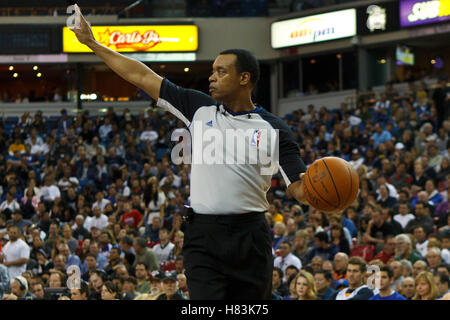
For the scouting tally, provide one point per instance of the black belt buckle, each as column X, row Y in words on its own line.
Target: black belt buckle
column 188, row 214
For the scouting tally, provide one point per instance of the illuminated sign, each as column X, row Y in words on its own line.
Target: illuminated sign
column 312, row 29
column 416, row 12
column 376, row 19
column 404, row 56
column 138, row 38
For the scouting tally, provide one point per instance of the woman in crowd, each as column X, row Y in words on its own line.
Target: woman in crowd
column 156, row 200
column 109, row 291
column 426, row 288
column 339, row 239
column 305, row 286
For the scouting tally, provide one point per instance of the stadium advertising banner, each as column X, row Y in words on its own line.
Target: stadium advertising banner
column 417, row 12
column 312, row 29
column 182, row 38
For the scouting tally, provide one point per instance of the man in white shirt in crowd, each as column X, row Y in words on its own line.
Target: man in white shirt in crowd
column 149, row 134
column 101, row 201
column 421, row 240
column 16, row 253
column 286, row 258
column 50, row 191
column 68, row 181
column 164, row 247
column 9, row 203
column 105, row 128
column 404, row 215
column 98, row 220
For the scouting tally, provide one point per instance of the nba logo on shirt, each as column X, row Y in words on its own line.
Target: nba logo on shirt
column 255, row 138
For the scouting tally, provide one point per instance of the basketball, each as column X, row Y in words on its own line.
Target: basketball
column 330, row 184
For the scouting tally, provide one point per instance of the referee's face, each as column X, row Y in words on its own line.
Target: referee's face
column 224, row 81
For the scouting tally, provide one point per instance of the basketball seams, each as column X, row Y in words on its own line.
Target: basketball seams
column 351, row 184
column 312, row 186
column 332, row 180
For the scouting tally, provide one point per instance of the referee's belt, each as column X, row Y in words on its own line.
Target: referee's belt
column 190, row 215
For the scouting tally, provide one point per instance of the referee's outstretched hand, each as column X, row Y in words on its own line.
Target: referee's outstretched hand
column 84, row 32
column 296, row 191
column 301, row 193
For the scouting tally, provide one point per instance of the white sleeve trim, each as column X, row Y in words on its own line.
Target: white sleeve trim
column 169, row 107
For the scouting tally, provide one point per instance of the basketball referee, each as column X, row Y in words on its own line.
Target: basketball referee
column 227, row 245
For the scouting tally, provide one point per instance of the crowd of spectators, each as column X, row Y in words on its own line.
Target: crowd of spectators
column 97, row 198
column 190, row 8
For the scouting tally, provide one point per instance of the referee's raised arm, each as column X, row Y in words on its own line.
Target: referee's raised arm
column 129, row 69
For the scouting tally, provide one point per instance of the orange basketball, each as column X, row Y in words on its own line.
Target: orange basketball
column 330, row 184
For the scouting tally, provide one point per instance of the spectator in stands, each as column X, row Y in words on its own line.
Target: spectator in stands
column 15, row 253
column 408, row 288
column 386, row 281
column 323, row 280
column 398, row 271
column 143, row 285
column 286, row 259
column 10, row 203
column 403, row 249
column 19, row 290
column 418, row 267
column 339, row 240
column 278, row 235
column 421, row 241
column 164, row 247
column 109, row 291
column 421, row 219
column 114, row 260
column 340, row 266
column 300, row 248
column 323, row 247
column 404, row 216
column 380, row 135
column 278, row 286
column 388, row 252
column 145, row 255
column 95, row 284
column 170, row 288
column 305, row 286
column 426, row 288
column 357, row 290
column 434, row 259
column 79, row 231
column 377, row 228
column 129, row 288
column 17, row 220
column 80, row 294
column 4, row 280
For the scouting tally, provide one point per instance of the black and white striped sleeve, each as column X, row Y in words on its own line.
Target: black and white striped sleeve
column 182, row 102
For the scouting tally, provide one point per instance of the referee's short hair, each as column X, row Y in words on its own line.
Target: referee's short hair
column 246, row 62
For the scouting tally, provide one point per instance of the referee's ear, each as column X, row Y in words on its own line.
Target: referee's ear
column 245, row 79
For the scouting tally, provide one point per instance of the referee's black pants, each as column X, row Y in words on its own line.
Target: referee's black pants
column 228, row 257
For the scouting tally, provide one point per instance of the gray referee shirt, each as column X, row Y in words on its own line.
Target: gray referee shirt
column 224, row 178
